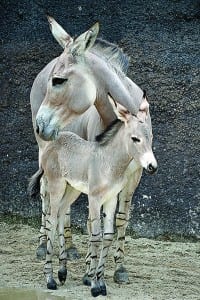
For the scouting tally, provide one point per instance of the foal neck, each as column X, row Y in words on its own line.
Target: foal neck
column 114, row 141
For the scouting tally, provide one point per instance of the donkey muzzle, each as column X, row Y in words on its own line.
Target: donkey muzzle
column 46, row 132
column 46, row 124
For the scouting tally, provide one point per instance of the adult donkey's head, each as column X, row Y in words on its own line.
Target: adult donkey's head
column 71, row 89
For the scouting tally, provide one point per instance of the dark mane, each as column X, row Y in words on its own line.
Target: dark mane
column 112, row 54
column 104, row 137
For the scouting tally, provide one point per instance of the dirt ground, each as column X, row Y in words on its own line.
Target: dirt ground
column 157, row 269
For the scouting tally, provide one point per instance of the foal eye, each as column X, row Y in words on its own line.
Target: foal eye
column 58, row 81
column 135, row 139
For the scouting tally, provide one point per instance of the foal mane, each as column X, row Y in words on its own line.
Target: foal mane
column 110, row 131
column 112, row 54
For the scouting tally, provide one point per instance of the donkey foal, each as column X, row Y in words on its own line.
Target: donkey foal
column 100, row 174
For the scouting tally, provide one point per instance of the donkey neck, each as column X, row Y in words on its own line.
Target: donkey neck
column 108, row 81
column 105, row 110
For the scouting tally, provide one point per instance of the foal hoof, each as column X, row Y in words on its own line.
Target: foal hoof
column 121, row 276
column 86, row 280
column 41, row 251
column 72, row 253
column 52, row 285
column 103, row 290
column 62, row 275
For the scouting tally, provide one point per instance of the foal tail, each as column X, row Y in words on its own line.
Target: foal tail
column 34, row 183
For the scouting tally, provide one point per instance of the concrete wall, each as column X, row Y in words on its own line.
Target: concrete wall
column 162, row 38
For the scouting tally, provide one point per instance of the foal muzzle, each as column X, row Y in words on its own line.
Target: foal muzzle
column 151, row 169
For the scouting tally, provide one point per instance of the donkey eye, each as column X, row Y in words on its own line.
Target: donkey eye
column 58, row 81
column 135, row 139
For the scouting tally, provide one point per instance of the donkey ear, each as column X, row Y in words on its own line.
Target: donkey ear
column 61, row 36
column 143, row 110
column 121, row 112
column 85, row 41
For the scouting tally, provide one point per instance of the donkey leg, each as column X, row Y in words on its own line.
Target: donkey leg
column 109, row 212
column 122, row 217
column 56, row 190
column 42, row 248
column 71, row 250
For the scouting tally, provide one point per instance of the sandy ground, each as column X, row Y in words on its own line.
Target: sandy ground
column 157, row 269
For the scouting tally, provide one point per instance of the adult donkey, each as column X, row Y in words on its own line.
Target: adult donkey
column 84, row 74
column 132, row 140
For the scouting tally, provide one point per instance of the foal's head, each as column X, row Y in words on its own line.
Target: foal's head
column 137, row 132
column 71, row 89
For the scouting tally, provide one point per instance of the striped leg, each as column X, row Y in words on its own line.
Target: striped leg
column 42, row 248
column 122, row 217
column 72, row 252
column 56, row 191
column 69, row 197
column 67, row 228
column 86, row 279
column 95, row 241
column 62, row 272
column 109, row 212
column 48, row 269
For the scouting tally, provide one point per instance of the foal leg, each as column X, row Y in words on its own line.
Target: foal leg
column 86, row 279
column 95, row 241
column 42, row 248
column 62, row 272
column 56, row 190
column 122, row 217
column 69, row 197
column 108, row 213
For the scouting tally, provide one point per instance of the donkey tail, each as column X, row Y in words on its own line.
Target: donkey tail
column 34, row 183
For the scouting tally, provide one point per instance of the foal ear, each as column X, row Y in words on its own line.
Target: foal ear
column 143, row 110
column 121, row 112
column 61, row 36
column 85, row 41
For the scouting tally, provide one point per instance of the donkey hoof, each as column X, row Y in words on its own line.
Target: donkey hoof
column 41, row 251
column 62, row 275
column 72, row 253
column 86, row 280
column 121, row 276
column 51, row 284
column 96, row 291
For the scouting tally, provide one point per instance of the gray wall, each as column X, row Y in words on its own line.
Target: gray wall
column 162, row 38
